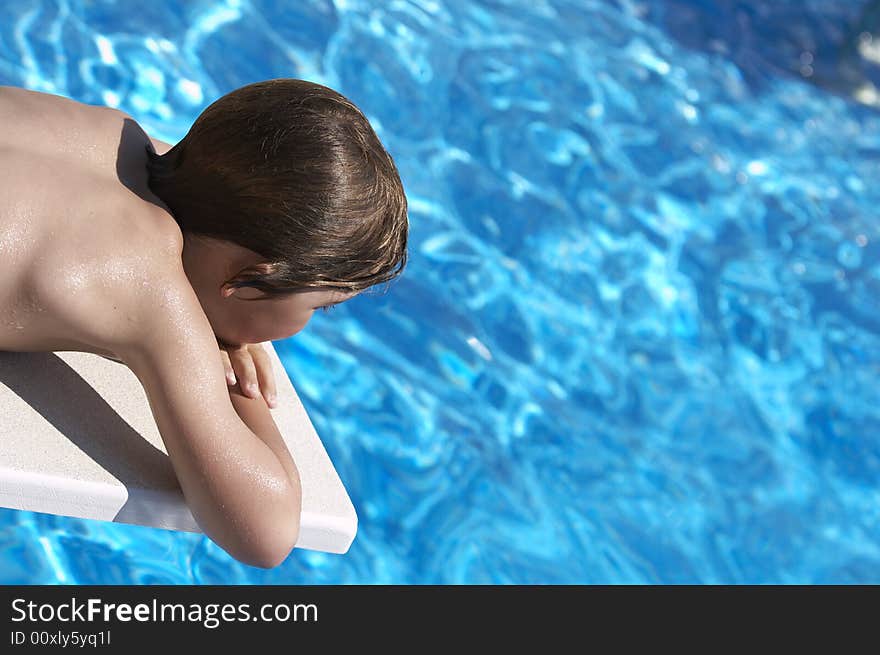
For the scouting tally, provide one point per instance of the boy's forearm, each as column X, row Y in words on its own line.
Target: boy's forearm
column 256, row 415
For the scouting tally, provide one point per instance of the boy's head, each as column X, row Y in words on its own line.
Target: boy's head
column 287, row 200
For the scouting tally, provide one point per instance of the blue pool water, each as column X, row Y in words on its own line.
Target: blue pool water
column 638, row 338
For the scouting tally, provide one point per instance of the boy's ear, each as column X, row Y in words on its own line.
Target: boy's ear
column 261, row 268
column 242, row 293
column 247, row 273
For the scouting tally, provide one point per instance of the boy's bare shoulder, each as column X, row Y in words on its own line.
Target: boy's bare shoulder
column 103, row 297
column 160, row 305
column 92, row 249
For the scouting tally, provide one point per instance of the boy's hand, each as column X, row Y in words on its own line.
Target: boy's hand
column 249, row 365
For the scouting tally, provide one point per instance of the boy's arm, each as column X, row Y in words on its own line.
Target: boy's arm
column 256, row 415
column 234, row 478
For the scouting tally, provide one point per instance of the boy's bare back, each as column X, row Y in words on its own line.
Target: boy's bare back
column 91, row 261
column 80, row 249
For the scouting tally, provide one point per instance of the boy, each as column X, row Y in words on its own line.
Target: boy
column 178, row 261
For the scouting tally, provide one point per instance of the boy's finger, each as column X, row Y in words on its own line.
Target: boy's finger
column 246, row 371
column 264, row 374
column 227, row 366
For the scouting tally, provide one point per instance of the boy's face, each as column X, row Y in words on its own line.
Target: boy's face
column 250, row 316
column 246, row 315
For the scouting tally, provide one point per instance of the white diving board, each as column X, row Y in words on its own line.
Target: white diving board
column 78, row 439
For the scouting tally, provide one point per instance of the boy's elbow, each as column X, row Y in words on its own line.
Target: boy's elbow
column 279, row 538
column 270, row 557
column 273, row 549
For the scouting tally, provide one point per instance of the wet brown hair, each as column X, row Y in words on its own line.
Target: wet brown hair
column 293, row 171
